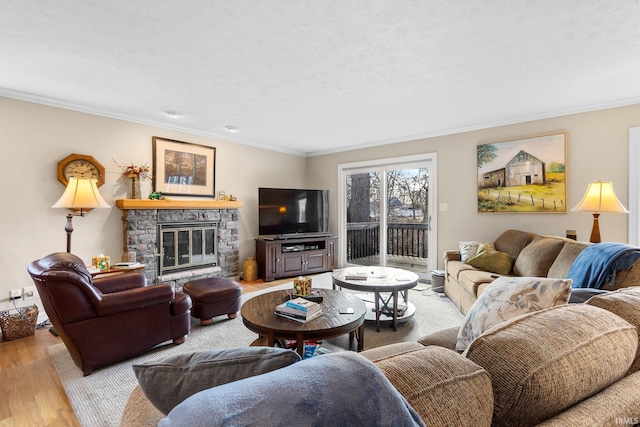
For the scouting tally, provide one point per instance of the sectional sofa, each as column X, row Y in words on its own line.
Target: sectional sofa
column 568, row 365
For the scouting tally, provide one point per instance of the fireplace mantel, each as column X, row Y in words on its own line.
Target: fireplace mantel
column 176, row 204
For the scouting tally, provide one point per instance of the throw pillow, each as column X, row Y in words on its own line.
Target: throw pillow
column 509, row 297
column 485, row 246
column 169, row 381
column 469, row 249
column 492, row 261
column 337, row 389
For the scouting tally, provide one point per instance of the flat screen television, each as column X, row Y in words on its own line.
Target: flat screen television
column 288, row 212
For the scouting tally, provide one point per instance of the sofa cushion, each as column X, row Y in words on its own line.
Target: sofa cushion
column 454, row 268
column 167, row 382
column 546, row 361
column 492, row 261
column 626, row 304
column 482, row 287
column 513, row 241
column 470, row 280
column 508, row 297
column 565, row 258
column 536, row 258
column 442, row 386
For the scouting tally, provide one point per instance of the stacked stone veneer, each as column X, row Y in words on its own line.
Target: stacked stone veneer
column 140, row 241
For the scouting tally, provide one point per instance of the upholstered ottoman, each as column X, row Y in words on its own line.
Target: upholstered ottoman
column 213, row 297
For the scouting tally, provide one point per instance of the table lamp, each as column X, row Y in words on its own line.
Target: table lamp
column 80, row 195
column 599, row 197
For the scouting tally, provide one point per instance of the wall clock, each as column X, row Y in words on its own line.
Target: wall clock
column 80, row 166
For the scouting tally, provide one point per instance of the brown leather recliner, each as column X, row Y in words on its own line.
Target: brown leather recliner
column 105, row 320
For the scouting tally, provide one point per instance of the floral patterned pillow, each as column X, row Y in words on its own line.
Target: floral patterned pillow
column 470, row 249
column 509, row 297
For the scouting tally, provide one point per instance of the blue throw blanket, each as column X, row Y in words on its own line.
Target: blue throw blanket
column 597, row 264
column 339, row 389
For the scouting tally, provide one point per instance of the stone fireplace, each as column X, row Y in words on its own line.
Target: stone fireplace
column 200, row 238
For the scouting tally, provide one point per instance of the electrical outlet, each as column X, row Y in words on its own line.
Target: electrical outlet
column 15, row 294
column 29, row 292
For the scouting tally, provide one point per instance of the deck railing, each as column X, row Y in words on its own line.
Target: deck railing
column 402, row 239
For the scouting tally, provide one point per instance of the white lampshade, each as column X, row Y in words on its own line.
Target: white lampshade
column 81, row 193
column 600, row 197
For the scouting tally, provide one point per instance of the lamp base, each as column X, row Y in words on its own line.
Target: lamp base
column 595, row 230
column 69, row 229
column 69, row 226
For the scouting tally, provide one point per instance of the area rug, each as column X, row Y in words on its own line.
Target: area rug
column 99, row 399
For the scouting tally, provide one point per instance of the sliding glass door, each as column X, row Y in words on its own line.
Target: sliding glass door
column 386, row 215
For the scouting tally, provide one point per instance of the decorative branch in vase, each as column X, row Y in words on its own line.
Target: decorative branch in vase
column 136, row 174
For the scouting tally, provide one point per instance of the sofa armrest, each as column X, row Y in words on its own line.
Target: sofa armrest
column 139, row 411
column 452, row 256
column 446, row 338
column 131, row 299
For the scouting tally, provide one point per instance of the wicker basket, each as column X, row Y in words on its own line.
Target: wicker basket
column 18, row 325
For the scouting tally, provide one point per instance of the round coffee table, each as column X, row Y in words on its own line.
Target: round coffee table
column 258, row 315
column 380, row 280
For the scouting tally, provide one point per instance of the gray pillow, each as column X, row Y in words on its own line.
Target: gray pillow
column 337, row 389
column 167, row 382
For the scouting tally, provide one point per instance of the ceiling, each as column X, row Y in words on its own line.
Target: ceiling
column 311, row 77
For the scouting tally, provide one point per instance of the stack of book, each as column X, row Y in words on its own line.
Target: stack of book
column 299, row 309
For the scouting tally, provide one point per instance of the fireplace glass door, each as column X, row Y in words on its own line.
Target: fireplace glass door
column 187, row 246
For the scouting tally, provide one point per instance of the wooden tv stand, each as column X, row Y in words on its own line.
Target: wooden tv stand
column 289, row 257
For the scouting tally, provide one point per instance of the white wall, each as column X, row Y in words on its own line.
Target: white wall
column 35, row 137
column 597, row 150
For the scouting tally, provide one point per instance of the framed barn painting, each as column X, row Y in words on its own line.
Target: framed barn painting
column 523, row 175
column 183, row 169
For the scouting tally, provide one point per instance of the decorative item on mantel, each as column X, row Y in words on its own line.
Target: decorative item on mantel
column 135, row 173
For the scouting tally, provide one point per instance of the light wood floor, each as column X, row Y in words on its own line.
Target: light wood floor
column 30, row 391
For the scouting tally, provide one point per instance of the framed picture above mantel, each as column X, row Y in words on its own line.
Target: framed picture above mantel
column 526, row 175
column 183, row 169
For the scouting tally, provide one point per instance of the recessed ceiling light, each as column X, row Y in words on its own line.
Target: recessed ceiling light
column 172, row 113
column 231, row 128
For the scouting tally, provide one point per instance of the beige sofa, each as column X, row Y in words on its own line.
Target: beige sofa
column 570, row 365
column 533, row 255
